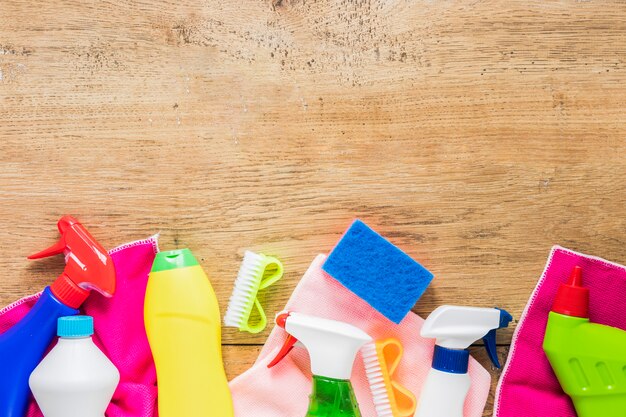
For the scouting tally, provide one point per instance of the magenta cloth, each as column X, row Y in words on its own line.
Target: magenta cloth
column 283, row 391
column 119, row 330
column 528, row 386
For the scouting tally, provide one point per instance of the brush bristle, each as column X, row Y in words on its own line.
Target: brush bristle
column 374, row 372
column 246, row 287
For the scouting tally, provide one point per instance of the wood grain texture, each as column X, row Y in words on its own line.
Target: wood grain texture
column 475, row 135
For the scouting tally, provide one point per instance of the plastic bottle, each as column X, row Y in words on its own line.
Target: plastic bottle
column 332, row 346
column 455, row 329
column 88, row 266
column 183, row 324
column 589, row 359
column 75, row 379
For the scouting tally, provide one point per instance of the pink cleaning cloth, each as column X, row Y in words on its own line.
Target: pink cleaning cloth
column 283, row 391
column 119, row 330
column 528, row 386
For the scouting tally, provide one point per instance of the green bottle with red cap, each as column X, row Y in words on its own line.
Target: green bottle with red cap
column 589, row 359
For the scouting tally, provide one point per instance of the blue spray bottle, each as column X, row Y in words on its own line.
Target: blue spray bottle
column 88, row 267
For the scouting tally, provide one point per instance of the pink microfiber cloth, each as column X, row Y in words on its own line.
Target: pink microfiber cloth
column 283, row 391
column 528, row 386
column 119, row 330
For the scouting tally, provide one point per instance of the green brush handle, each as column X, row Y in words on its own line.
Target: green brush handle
column 332, row 398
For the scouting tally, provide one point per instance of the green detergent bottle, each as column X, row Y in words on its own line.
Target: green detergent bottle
column 332, row 346
column 588, row 359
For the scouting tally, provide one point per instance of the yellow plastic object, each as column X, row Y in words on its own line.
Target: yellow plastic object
column 257, row 272
column 381, row 361
column 182, row 321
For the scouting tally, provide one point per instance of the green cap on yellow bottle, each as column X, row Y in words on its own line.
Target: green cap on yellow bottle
column 173, row 259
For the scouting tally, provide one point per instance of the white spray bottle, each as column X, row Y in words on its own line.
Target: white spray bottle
column 455, row 329
column 332, row 346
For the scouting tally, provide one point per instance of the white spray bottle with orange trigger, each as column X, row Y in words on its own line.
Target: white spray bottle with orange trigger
column 332, row 346
column 455, row 329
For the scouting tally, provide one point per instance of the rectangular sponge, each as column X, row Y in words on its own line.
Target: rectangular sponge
column 377, row 271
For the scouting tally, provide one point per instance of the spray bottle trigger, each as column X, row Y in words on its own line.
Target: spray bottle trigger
column 490, row 345
column 88, row 266
column 490, row 338
column 60, row 247
column 55, row 249
column 284, row 351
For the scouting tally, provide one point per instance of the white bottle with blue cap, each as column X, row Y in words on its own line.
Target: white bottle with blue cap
column 455, row 328
column 75, row 379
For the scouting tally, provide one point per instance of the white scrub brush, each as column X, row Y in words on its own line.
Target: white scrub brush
column 251, row 278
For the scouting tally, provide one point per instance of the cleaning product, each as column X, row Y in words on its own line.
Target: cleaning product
column 183, row 324
column 88, row 267
column 119, row 331
column 332, row 346
column 381, row 359
column 366, row 263
column 250, row 280
column 260, row 391
column 527, row 384
column 589, row 359
column 75, row 379
column 455, row 328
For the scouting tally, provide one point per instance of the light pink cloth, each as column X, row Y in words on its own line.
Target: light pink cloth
column 528, row 386
column 283, row 391
column 119, row 330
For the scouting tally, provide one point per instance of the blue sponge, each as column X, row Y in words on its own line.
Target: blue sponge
column 377, row 271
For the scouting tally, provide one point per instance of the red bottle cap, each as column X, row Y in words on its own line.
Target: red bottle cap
column 88, row 264
column 572, row 299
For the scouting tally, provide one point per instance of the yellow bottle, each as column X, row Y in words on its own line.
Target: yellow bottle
column 183, row 324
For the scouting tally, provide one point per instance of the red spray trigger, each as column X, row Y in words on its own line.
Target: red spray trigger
column 284, row 351
column 281, row 321
column 88, row 264
column 63, row 224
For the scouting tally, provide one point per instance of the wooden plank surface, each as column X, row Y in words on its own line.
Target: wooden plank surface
column 475, row 135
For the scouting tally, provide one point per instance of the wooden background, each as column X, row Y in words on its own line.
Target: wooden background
column 475, row 135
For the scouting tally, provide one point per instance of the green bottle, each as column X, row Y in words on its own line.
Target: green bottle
column 332, row 346
column 332, row 397
column 588, row 359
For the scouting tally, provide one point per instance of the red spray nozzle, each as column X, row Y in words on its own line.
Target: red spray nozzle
column 572, row 299
column 576, row 277
column 88, row 264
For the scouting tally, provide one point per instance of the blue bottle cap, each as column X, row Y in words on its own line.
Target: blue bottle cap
column 75, row 326
column 452, row 361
